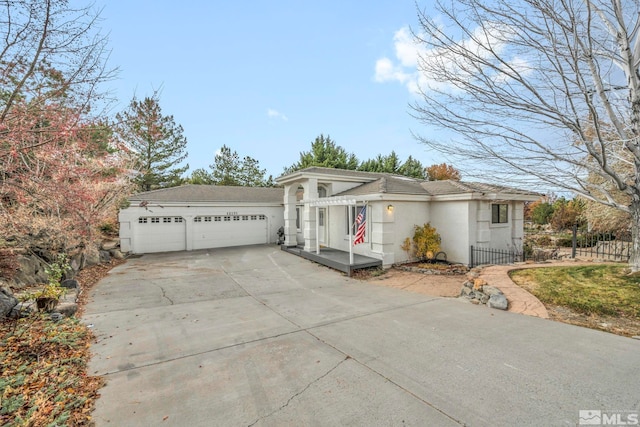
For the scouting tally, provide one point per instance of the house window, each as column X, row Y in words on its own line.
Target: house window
column 177, row 219
column 155, row 220
column 207, row 219
column 197, row 219
column 236, row 217
column 166, row 219
column 254, row 217
column 217, row 218
column 263, row 217
column 245, row 217
column 298, row 218
column 499, row 213
column 142, row 220
column 227, row 218
column 355, row 210
column 322, row 192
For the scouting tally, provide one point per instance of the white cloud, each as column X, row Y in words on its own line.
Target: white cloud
column 275, row 114
column 411, row 57
column 407, row 51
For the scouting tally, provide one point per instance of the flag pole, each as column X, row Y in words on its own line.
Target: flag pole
column 350, row 235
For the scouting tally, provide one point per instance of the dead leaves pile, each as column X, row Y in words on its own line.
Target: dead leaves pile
column 43, row 374
column 43, row 379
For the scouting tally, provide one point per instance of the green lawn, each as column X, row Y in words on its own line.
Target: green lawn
column 594, row 289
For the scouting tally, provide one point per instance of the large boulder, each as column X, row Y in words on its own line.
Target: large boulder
column 491, row 290
column 7, row 302
column 91, row 256
column 31, row 271
column 498, row 301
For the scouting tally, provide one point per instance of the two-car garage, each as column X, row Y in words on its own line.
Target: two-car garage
column 196, row 217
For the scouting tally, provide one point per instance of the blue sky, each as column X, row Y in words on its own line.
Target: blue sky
column 267, row 77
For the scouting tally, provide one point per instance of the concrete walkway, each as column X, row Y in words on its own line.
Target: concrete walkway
column 255, row 336
column 521, row 301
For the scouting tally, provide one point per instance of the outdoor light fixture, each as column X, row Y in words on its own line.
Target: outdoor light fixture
column 390, row 208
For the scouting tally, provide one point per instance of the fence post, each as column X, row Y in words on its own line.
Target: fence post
column 574, row 240
column 471, row 257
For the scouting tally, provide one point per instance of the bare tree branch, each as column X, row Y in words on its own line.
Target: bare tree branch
column 540, row 92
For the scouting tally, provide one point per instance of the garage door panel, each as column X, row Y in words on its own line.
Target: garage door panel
column 224, row 231
column 160, row 234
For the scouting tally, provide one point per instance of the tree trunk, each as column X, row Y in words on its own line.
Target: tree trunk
column 634, row 259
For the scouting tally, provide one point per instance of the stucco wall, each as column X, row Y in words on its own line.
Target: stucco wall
column 509, row 235
column 455, row 222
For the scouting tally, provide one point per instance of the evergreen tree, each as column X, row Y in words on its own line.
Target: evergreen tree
column 325, row 153
column 156, row 141
column 384, row 164
column 413, row 168
column 200, row 177
column 229, row 169
column 226, row 166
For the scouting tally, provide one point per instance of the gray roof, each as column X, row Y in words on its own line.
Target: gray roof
column 392, row 184
column 378, row 182
column 388, row 184
column 437, row 188
column 337, row 172
column 212, row 193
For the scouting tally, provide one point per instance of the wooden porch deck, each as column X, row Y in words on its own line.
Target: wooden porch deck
column 335, row 259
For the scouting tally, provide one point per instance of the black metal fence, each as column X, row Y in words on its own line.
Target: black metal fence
column 609, row 246
column 483, row 256
column 544, row 246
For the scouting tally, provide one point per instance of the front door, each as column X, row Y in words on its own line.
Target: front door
column 322, row 230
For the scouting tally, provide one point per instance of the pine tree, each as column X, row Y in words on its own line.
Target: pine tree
column 229, row 169
column 325, row 153
column 156, row 141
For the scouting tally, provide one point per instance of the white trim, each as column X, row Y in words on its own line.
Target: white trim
column 331, row 201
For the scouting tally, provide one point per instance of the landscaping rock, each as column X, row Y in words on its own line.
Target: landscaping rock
column 23, row 309
column 105, row 256
column 70, row 284
column 7, row 302
column 491, row 290
column 67, row 309
column 116, row 254
column 465, row 291
column 478, row 291
column 109, row 245
column 498, row 301
column 31, row 270
column 76, row 262
column 478, row 284
column 90, row 256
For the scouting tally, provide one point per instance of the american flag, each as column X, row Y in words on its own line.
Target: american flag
column 361, row 222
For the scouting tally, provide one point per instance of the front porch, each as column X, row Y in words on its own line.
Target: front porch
column 335, row 259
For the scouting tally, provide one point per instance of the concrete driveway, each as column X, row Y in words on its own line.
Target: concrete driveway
column 256, row 336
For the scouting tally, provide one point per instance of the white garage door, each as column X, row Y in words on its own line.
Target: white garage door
column 217, row 231
column 160, row 234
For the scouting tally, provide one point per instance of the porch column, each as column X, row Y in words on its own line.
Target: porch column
column 290, row 238
column 317, row 230
column 309, row 215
